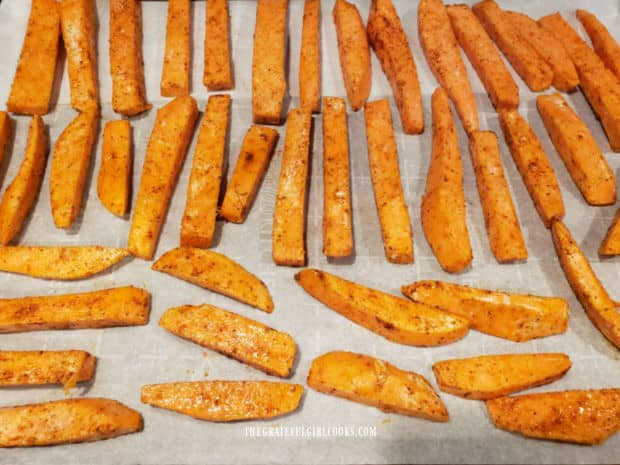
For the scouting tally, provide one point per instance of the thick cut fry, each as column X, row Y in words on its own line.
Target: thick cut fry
column 63, row 263
column 6, row 132
column 377, row 383
column 243, row 339
column 33, row 81
column 114, row 180
column 217, row 73
column 79, row 34
column 289, row 214
column 165, row 154
column 578, row 150
column 599, row 307
column 353, row 52
column 516, row 317
column 500, row 217
column 268, row 68
column 394, row 318
column 386, row 183
column 443, row 56
column 217, row 273
column 533, row 165
column 310, row 57
column 223, row 401
column 443, row 204
column 121, row 306
column 484, row 57
column 337, row 223
column 177, row 55
column 252, row 162
column 66, row 421
column 491, row 376
column 70, row 164
column 582, row 417
column 603, row 42
column 19, row 197
column 205, row 180
column 390, row 43
column 611, row 243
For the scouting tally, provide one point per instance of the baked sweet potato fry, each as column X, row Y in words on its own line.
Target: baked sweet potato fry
column 377, row 383
column 217, row 273
column 114, row 180
column 516, row 317
column 611, row 243
column 390, row 43
column 246, row 340
column 7, row 126
column 583, row 417
column 603, row 42
column 177, row 54
column 310, row 57
column 223, row 401
column 217, row 74
column 394, row 318
column 66, row 421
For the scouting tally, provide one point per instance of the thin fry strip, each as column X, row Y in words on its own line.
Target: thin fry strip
column 217, row 73
column 310, row 57
column 114, row 180
column 177, row 54
column 603, row 42
column 6, row 131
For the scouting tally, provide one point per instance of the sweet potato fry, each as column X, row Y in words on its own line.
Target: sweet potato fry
column 254, row 157
column 310, row 57
column 377, row 383
column 114, row 180
column 66, row 421
column 386, row 183
column 217, row 74
column 19, row 197
column 390, row 43
column 443, row 56
column 121, row 306
column 516, row 317
column 217, row 273
column 582, row 417
column 33, row 81
column 603, row 42
column 177, row 54
column 224, row 401
column 246, row 340
column 396, row 319
column 611, row 243
column 6, row 131
column 491, row 376
column 165, row 154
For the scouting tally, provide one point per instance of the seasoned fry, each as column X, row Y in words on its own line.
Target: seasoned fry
column 254, row 157
column 203, row 191
column 7, row 126
column 165, row 154
column 443, row 204
column 289, row 214
column 500, row 217
column 310, row 57
column 390, row 43
column 177, row 55
column 121, row 306
column 114, row 180
column 230, row 334
column 603, row 42
column 533, row 165
column 268, row 69
column 33, row 81
column 70, row 163
column 217, row 273
column 224, row 401
column 611, row 243
column 66, row 421
column 386, row 183
column 19, row 197
column 394, row 318
column 217, row 74
column 582, row 417
column 377, row 383
column 516, row 317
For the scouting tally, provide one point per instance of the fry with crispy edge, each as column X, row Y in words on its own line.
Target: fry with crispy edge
column 223, row 401
column 66, row 421
column 310, row 57
column 252, row 162
column 394, row 318
column 603, row 42
column 6, row 131
column 177, row 55
column 114, row 180
column 217, row 273
column 386, row 183
column 582, row 417
column 377, row 383
column 120, row 306
column 517, row 317
column 217, row 73
column 19, row 197
column 33, row 81
column 611, row 243
column 245, row 340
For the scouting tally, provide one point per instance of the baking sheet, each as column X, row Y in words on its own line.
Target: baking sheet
column 131, row 357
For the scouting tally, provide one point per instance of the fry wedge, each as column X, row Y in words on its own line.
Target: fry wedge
column 177, row 55
column 393, row 318
column 246, row 340
column 114, row 180
column 603, row 42
column 66, row 421
column 310, row 57
column 516, row 317
column 377, row 383
column 6, row 131
column 223, row 401
column 611, row 243
column 217, row 74
column 217, row 273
